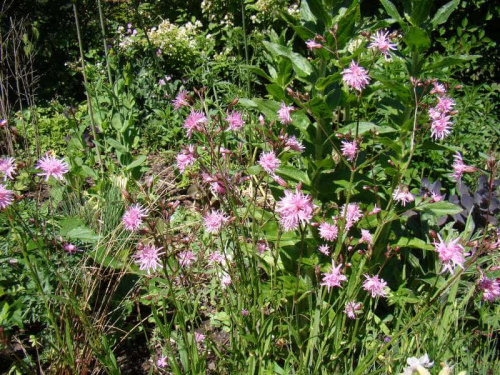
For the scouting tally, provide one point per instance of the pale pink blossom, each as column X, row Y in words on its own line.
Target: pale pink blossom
column 382, row 43
column 441, row 127
column 132, row 218
column 148, row 258
column 245, row 312
column 294, row 144
column 295, row 208
column 438, row 88
column 451, row 254
column 216, row 257
column 196, row 121
column 214, row 221
column 52, row 166
column 445, row 104
column 490, row 288
column 375, row 210
column 355, row 76
column 352, row 309
column 181, row 100
column 70, row 248
column 6, row 196
column 349, row 150
column 334, row 277
column 459, row 167
column 366, row 236
column 351, row 214
column 402, row 195
column 199, row 337
column 436, row 197
column 7, row 167
column 185, row 158
column 328, row 231
column 324, row 249
column 186, row 258
column 375, row 285
column 262, row 246
column 279, row 180
column 284, row 114
column 235, row 120
column 162, row 362
column 269, row 162
column 311, row 44
column 226, row 281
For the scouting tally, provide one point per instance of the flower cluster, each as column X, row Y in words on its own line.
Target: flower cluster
column 375, row 285
column 185, row 158
column 356, row 77
column 295, row 208
column 441, row 113
column 459, row 167
column 132, row 219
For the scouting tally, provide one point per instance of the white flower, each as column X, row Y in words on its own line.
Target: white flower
column 418, row 365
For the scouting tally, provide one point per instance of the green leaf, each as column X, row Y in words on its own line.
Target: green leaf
column 89, row 172
column 83, row 234
column 391, row 9
column 316, row 8
column 444, row 13
column 300, row 64
column 415, row 243
column 294, row 174
column 365, row 127
column 417, row 38
column 117, row 145
column 136, row 163
column 439, row 208
column 258, row 71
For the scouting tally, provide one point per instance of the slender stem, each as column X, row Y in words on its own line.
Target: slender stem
column 106, row 52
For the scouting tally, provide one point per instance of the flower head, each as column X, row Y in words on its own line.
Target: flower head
column 333, row 278
column 450, row 253
column 445, row 104
column 181, row 100
column 284, row 114
column 459, row 167
column 269, row 162
column 226, row 281
column 349, row 150
column 295, row 208
column 70, row 248
column 490, row 288
column 416, row 364
column 328, row 231
column 352, row 309
column 324, row 249
column 366, row 236
column 6, row 196
column 375, row 285
column 162, row 362
column 351, row 213
column 185, row 158
column 52, row 167
column 438, row 88
column 382, row 43
column 214, row 221
column 402, row 195
column 132, row 218
column 186, row 258
column 294, row 144
column 235, row 120
column 195, row 122
column 7, row 167
column 199, row 337
column 441, row 127
column 148, row 258
column 311, row 44
column 356, row 77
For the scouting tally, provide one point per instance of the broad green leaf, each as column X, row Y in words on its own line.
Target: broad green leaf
column 417, row 38
column 300, row 64
column 258, row 71
column 294, row 174
column 391, row 9
column 444, row 13
column 83, row 234
column 439, row 208
column 117, row 145
column 136, row 163
column 416, row 243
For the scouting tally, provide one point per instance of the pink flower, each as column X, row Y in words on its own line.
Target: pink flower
column 311, row 44
column 441, row 127
column 269, row 162
column 132, row 218
column 185, row 158
column 436, row 197
column 52, row 167
column 195, row 122
column 162, row 362
column 6, row 196
column 333, row 278
column 149, row 258
column 284, row 114
column 235, row 120
column 366, row 236
column 445, row 104
column 245, row 312
column 262, row 246
column 402, row 195
column 491, row 289
column 375, row 210
column 186, row 258
column 351, row 214
column 328, row 231
column 216, row 257
column 162, row 82
column 70, row 248
column 438, row 89
column 7, row 167
column 226, row 281
column 294, row 144
column 324, row 249
column 214, row 221
column 199, row 337
column 355, row 76
column 451, row 254
column 294, row 208
column 382, row 43
column 459, row 168
column 349, row 150
column 352, row 309
column 181, row 100
column 375, row 286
